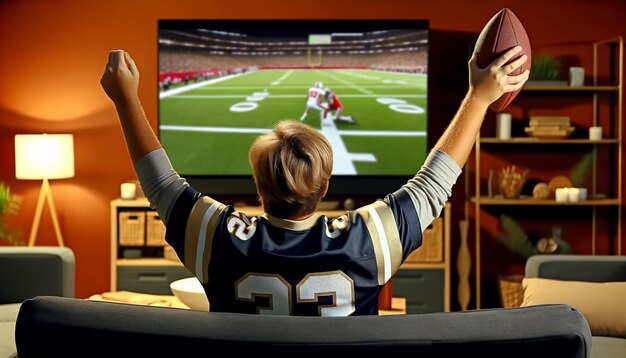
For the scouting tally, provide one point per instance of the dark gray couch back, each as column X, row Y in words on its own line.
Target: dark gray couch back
column 55, row 326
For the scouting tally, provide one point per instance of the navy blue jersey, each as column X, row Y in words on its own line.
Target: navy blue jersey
column 316, row 266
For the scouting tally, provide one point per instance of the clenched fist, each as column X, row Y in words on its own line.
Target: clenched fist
column 120, row 79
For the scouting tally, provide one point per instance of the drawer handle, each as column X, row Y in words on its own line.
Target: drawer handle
column 152, row 277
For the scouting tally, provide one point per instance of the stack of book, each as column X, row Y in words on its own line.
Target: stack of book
column 549, row 127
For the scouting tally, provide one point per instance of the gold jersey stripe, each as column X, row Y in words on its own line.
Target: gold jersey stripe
column 199, row 235
column 382, row 228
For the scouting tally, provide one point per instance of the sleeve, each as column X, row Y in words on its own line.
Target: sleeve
column 194, row 221
column 431, row 187
column 191, row 219
column 161, row 184
column 395, row 224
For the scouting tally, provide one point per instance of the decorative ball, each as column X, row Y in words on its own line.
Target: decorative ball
column 541, row 191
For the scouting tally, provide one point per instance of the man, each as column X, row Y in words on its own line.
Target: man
column 333, row 104
column 291, row 260
column 314, row 100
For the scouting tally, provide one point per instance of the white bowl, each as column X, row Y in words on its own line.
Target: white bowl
column 190, row 292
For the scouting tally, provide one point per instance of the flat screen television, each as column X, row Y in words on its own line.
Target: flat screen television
column 222, row 83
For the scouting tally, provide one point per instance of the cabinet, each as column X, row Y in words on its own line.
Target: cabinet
column 605, row 94
column 141, row 261
column 144, row 263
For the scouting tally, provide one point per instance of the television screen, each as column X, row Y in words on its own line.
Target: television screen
column 362, row 84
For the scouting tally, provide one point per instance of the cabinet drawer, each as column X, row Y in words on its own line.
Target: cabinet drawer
column 149, row 279
column 423, row 289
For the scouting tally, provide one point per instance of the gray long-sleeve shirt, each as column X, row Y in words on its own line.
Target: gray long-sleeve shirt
column 429, row 189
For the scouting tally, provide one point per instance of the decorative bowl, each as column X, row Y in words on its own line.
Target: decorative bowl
column 190, row 292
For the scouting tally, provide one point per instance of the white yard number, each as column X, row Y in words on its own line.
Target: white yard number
column 400, row 105
column 251, row 102
column 334, row 283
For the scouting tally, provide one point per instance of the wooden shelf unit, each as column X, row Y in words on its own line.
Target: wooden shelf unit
column 614, row 142
column 155, row 265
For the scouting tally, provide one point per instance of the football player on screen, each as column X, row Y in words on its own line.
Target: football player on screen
column 314, row 100
column 291, row 260
column 333, row 104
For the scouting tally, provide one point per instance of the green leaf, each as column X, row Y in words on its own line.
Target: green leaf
column 515, row 238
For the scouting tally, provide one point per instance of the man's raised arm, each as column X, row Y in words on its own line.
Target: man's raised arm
column 158, row 179
column 486, row 86
column 432, row 186
column 120, row 81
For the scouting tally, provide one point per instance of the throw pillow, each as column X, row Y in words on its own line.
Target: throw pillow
column 602, row 303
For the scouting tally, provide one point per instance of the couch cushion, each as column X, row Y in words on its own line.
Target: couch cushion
column 8, row 315
column 608, row 347
column 602, row 304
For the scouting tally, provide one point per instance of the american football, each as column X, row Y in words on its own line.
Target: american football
column 503, row 32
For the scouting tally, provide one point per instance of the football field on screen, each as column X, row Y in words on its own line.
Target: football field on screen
column 207, row 128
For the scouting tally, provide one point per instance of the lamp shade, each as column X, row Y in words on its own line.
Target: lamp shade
column 44, row 156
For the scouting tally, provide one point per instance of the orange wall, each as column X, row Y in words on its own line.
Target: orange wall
column 53, row 53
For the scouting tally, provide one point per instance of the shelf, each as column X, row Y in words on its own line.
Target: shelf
column 423, row 265
column 599, row 102
column 152, row 261
column 131, row 203
column 570, row 89
column 531, row 201
column 530, row 140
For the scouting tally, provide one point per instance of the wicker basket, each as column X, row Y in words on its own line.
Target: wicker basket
column 432, row 244
column 511, row 291
column 155, row 229
column 132, row 225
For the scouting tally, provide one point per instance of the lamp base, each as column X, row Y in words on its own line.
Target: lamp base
column 45, row 195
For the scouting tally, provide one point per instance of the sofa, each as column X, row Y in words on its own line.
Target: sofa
column 27, row 272
column 595, row 285
column 66, row 327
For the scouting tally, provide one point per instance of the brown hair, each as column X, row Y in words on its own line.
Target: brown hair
column 291, row 167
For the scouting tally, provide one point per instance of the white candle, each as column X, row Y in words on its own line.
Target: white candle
column 127, row 191
column 503, row 126
column 561, row 195
column 595, row 133
column 582, row 194
column 576, row 76
column 573, row 194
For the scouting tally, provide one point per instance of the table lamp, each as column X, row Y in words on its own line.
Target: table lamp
column 43, row 157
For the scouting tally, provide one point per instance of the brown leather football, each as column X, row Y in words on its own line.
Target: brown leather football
column 503, row 32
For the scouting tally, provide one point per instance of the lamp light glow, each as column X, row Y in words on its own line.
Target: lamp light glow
column 44, row 156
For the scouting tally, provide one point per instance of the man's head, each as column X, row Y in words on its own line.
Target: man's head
column 318, row 84
column 291, row 167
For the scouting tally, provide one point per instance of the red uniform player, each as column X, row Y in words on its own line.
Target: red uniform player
column 333, row 104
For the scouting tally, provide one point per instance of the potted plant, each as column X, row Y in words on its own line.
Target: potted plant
column 9, row 205
column 545, row 71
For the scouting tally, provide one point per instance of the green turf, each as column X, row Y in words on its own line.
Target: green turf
column 360, row 91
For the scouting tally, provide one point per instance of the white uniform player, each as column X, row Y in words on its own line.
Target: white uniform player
column 314, row 100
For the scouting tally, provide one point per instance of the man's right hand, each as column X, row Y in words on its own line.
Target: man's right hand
column 120, row 79
column 490, row 83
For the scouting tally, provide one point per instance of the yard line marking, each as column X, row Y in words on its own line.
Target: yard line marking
column 178, row 90
column 217, row 88
column 382, row 133
column 342, row 163
column 363, row 157
column 284, row 77
column 353, row 86
column 170, row 127
column 279, row 96
column 402, row 73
